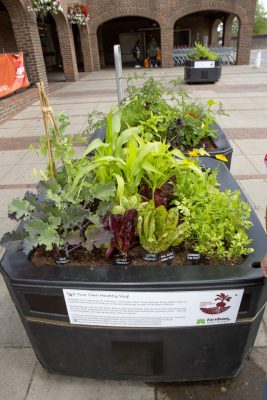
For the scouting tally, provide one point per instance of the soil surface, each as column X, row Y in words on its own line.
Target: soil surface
column 96, row 258
column 206, row 144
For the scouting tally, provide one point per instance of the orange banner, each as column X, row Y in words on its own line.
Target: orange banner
column 13, row 75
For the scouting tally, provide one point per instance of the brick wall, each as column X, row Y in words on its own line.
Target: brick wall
column 11, row 105
column 167, row 13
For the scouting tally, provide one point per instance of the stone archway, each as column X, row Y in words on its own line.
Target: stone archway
column 147, row 12
column 229, row 8
column 126, row 31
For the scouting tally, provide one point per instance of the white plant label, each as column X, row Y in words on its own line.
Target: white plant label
column 204, row 64
column 152, row 309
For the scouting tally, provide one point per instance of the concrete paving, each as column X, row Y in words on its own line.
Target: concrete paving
column 242, row 90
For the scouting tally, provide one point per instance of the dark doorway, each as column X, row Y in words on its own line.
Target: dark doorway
column 7, row 38
column 51, row 49
column 78, row 47
column 125, row 31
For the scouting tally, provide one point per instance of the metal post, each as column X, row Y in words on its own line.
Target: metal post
column 118, row 68
column 258, row 59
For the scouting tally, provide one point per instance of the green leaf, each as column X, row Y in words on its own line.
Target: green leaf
column 73, row 238
column 21, row 208
column 95, row 144
column 13, row 241
column 104, row 191
column 97, row 236
column 116, row 122
column 120, row 186
column 211, row 102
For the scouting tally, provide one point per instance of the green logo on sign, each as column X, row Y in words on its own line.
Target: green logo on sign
column 201, row 321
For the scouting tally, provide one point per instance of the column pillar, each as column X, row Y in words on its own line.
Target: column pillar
column 244, row 43
column 86, row 48
column 167, row 37
column 101, row 48
column 227, row 30
column 95, row 52
column 28, row 40
column 67, row 48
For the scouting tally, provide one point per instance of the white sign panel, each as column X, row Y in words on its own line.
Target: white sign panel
column 204, row 64
column 152, row 309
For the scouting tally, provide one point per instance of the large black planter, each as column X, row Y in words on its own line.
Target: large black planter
column 145, row 353
column 221, row 143
column 201, row 72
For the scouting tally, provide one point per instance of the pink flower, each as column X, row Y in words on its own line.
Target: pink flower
column 265, row 160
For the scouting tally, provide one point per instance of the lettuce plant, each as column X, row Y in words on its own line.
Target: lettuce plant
column 123, row 229
column 159, row 229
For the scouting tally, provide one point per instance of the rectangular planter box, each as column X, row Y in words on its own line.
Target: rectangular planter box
column 201, row 72
column 143, row 353
column 221, row 143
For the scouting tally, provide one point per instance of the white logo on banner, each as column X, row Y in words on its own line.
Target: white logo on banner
column 20, row 73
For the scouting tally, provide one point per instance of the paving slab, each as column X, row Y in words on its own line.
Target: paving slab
column 261, row 213
column 23, row 175
column 257, row 162
column 265, row 317
column 50, row 387
column 252, row 146
column 261, row 339
column 248, row 385
column 11, row 157
column 12, row 332
column 16, row 366
column 241, row 165
column 257, row 191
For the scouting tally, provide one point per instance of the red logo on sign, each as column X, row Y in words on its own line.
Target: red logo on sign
column 216, row 308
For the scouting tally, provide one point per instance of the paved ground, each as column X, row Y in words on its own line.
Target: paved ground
column 253, row 55
column 243, row 91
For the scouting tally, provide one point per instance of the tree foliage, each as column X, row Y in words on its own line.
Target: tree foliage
column 260, row 19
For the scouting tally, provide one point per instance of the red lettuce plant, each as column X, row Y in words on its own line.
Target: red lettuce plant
column 123, row 228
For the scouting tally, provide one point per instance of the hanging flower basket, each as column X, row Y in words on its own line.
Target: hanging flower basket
column 78, row 14
column 43, row 7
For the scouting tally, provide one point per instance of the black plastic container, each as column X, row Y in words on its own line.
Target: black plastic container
column 194, row 73
column 149, row 354
column 221, row 143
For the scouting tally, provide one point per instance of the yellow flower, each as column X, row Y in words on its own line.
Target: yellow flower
column 221, row 157
column 34, row 172
column 193, row 153
column 202, row 125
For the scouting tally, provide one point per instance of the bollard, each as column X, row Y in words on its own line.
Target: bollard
column 118, row 68
column 258, row 59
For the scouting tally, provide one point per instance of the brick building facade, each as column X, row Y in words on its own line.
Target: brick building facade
column 172, row 22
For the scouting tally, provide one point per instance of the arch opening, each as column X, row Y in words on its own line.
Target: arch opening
column 78, row 47
column 51, row 48
column 126, row 31
column 8, row 42
column 212, row 28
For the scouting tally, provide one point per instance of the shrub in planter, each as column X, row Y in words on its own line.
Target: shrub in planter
column 201, row 52
column 134, row 200
column 202, row 65
column 169, row 114
column 132, row 190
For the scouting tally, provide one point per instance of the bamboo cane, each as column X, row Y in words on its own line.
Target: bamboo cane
column 48, row 117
